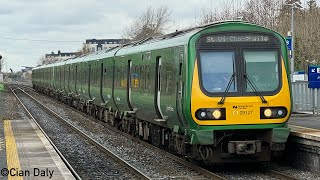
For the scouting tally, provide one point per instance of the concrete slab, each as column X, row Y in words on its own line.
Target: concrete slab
column 29, row 154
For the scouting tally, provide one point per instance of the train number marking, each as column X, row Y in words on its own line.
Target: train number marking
column 241, row 113
column 246, row 113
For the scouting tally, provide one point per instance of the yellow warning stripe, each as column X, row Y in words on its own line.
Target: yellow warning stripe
column 11, row 150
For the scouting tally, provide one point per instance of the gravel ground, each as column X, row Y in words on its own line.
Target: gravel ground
column 88, row 162
column 10, row 107
column 300, row 174
column 145, row 159
column 119, row 145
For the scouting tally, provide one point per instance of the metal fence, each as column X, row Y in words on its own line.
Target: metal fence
column 304, row 98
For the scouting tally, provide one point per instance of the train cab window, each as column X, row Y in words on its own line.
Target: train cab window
column 217, row 68
column 262, row 68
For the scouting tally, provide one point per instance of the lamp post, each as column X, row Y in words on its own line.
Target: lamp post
column 292, row 37
column 293, row 4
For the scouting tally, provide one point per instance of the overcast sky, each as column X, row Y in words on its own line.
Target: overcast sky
column 76, row 20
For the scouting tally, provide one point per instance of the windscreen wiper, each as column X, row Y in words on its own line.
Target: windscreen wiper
column 255, row 89
column 221, row 102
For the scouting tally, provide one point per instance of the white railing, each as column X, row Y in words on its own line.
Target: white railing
column 304, row 98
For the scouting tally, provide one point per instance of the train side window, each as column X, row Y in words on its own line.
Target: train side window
column 148, row 56
column 104, row 77
column 169, row 84
column 69, row 73
column 76, row 74
column 123, row 77
column 148, row 85
column 142, row 78
column 118, row 84
column 84, row 75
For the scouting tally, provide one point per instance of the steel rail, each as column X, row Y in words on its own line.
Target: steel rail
column 281, row 175
column 117, row 158
column 65, row 161
column 196, row 168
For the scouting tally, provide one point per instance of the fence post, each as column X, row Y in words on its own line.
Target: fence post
column 313, row 100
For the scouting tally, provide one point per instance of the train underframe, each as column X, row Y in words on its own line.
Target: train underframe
column 229, row 146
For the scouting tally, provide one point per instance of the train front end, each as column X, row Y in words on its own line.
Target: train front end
column 240, row 93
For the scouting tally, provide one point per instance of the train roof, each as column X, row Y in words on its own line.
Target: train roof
column 178, row 38
column 101, row 54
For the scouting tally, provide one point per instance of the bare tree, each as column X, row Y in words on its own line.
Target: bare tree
column 43, row 60
column 226, row 10
column 152, row 22
column 263, row 12
column 276, row 14
column 306, row 32
column 84, row 50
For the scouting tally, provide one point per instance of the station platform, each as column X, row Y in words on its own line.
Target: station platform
column 305, row 120
column 27, row 154
column 303, row 144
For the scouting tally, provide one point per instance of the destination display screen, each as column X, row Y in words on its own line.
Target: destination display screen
column 236, row 38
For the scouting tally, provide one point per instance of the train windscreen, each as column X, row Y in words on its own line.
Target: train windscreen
column 217, row 69
column 262, row 68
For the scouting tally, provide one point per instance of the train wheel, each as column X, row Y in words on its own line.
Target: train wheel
column 101, row 114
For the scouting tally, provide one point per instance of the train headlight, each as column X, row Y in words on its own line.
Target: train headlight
column 211, row 114
column 216, row 114
column 203, row 114
column 273, row 112
column 267, row 112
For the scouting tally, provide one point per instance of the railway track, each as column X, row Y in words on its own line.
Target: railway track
column 137, row 174
column 200, row 172
column 204, row 172
column 280, row 175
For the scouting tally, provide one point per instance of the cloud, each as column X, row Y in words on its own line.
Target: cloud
column 76, row 20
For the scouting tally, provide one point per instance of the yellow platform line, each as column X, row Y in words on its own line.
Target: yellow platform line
column 11, row 151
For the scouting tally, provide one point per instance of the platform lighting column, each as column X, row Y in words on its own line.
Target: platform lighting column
column 292, row 40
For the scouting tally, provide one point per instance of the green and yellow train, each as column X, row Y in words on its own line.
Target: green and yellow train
column 217, row 93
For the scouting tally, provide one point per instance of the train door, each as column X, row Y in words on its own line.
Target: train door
column 60, row 78
column 101, row 76
column 157, row 92
column 69, row 78
column 53, row 78
column 129, row 70
column 179, row 89
column 75, row 79
column 89, row 80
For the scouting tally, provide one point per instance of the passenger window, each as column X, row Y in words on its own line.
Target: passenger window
column 148, row 78
column 169, row 84
column 142, row 78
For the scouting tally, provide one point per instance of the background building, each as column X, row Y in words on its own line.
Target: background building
column 99, row 44
column 61, row 55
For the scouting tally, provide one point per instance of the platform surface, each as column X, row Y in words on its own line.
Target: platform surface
column 27, row 154
column 305, row 120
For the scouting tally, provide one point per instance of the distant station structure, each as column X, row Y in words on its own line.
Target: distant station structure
column 99, row 44
column 61, row 55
